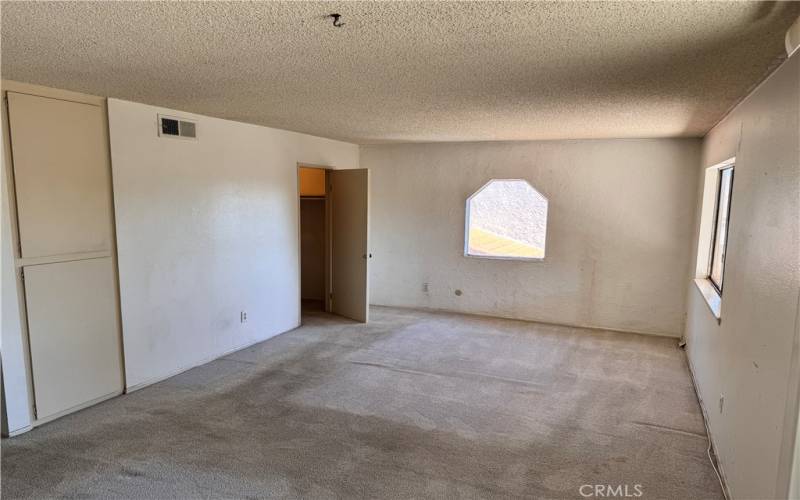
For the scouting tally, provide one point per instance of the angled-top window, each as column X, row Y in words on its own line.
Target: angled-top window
column 719, row 240
column 506, row 219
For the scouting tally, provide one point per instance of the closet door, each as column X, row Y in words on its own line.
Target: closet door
column 73, row 334
column 349, row 199
column 62, row 180
column 62, row 176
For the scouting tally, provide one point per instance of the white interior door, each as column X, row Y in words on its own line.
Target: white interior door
column 72, row 325
column 62, row 180
column 349, row 200
column 62, row 176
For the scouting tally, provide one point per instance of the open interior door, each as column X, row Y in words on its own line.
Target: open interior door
column 349, row 201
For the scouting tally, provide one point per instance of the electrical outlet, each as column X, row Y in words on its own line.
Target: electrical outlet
column 721, row 402
column 425, row 287
column 243, row 316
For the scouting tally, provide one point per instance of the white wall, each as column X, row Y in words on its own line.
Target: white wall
column 16, row 397
column 747, row 357
column 619, row 230
column 206, row 229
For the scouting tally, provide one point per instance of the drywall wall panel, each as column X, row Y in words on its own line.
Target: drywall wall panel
column 618, row 232
column 206, row 229
column 747, row 356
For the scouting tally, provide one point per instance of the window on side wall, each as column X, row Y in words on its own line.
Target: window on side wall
column 719, row 240
column 506, row 219
column 712, row 244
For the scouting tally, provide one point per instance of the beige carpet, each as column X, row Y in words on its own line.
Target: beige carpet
column 424, row 405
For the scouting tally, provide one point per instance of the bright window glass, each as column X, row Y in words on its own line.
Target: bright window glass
column 506, row 218
column 720, row 240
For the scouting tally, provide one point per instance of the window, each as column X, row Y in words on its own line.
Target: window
column 719, row 240
column 712, row 241
column 506, row 219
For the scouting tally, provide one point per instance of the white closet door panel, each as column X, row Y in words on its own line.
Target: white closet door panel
column 74, row 339
column 350, row 241
column 62, row 175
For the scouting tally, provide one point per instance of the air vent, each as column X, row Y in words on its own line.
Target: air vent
column 187, row 129
column 174, row 127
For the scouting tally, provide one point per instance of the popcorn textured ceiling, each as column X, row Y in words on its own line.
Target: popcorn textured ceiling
column 411, row 71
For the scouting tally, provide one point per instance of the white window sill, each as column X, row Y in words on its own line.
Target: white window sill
column 711, row 296
column 500, row 257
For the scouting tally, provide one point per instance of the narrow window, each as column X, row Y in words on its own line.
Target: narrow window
column 719, row 241
column 506, row 219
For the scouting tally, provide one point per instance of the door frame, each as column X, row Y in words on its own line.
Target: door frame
column 19, row 262
column 327, row 300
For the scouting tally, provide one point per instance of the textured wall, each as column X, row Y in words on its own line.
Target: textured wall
column 618, row 235
column 747, row 356
column 206, row 229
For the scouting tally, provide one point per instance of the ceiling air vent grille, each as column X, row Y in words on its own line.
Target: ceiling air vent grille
column 175, row 127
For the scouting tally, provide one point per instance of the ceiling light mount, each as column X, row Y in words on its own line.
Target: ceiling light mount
column 336, row 21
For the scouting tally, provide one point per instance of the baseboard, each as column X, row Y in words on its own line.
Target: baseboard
column 161, row 378
column 530, row 320
column 706, row 420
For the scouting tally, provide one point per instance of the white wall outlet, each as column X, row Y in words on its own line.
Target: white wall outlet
column 243, row 316
column 426, row 287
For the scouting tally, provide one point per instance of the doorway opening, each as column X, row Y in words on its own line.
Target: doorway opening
column 314, row 239
column 334, row 241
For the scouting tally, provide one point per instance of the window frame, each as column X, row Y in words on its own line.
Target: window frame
column 501, row 257
column 714, row 233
